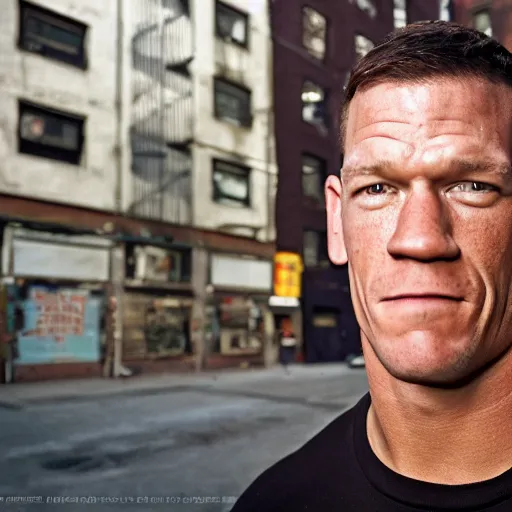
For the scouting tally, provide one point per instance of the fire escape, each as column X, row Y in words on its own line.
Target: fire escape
column 162, row 115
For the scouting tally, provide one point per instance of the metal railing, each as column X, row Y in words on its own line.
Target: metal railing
column 162, row 111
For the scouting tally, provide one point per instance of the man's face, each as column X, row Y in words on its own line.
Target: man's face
column 425, row 202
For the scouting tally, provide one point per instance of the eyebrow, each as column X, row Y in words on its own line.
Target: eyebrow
column 460, row 165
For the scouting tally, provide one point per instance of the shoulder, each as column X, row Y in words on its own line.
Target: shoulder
column 305, row 474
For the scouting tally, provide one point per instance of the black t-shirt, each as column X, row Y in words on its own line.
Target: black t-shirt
column 337, row 470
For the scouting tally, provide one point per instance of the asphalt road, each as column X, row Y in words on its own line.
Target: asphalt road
column 169, row 449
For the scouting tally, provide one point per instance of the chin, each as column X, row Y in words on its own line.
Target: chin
column 444, row 378
column 422, row 358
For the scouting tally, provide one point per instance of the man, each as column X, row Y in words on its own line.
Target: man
column 423, row 215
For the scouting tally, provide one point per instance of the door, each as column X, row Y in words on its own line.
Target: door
column 325, row 343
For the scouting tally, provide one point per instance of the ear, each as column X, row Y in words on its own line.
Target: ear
column 335, row 240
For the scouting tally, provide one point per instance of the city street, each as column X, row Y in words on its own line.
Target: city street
column 202, row 437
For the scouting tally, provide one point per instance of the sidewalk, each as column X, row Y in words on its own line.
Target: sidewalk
column 15, row 396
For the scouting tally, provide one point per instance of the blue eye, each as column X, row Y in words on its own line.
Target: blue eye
column 376, row 189
column 474, row 186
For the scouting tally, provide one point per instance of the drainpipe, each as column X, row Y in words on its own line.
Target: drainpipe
column 268, row 158
column 117, row 272
column 270, row 124
column 269, row 334
column 119, row 109
column 162, row 107
column 8, row 279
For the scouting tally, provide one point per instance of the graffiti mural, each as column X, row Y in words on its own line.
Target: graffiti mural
column 61, row 325
column 165, row 330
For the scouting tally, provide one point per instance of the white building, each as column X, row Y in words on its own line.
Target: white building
column 186, row 84
column 203, row 149
column 62, row 136
column 202, row 114
column 233, row 81
column 151, row 119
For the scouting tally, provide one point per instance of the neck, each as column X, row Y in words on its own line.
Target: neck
column 455, row 436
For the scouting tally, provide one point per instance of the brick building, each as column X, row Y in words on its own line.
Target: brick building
column 315, row 46
column 494, row 17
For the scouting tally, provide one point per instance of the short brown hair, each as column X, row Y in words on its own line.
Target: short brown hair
column 425, row 50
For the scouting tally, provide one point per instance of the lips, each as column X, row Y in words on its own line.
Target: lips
column 424, row 296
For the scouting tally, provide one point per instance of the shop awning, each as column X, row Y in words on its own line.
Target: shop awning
column 283, row 305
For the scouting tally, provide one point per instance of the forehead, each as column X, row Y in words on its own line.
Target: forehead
column 439, row 111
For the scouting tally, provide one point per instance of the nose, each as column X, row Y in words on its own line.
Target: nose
column 423, row 230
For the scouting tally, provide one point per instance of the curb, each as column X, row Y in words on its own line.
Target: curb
column 13, row 406
column 104, row 395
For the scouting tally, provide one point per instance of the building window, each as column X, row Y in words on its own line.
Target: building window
column 314, row 32
column 179, row 265
column 50, row 133
column 158, row 264
column 314, row 105
column 446, row 10
column 315, row 252
column 232, row 103
column 313, row 177
column 362, row 45
column 231, row 24
column 52, row 35
column 482, row 22
column 231, row 184
column 400, row 13
column 367, row 6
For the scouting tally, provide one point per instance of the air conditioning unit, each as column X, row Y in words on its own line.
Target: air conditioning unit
column 151, row 264
column 32, row 127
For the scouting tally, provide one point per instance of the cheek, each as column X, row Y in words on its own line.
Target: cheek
column 487, row 244
column 366, row 237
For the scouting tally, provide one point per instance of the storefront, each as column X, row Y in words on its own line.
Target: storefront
column 237, row 309
column 288, row 328
column 286, row 307
column 157, row 307
column 331, row 331
column 240, row 325
column 56, row 287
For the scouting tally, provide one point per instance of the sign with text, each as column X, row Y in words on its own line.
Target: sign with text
column 60, row 325
column 287, row 274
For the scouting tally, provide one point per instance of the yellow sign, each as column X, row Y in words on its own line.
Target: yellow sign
column 287, row 274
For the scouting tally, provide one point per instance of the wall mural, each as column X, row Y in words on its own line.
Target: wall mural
column 165, row 330
column 60, row 325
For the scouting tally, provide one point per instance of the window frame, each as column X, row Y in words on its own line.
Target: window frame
column 321, row 173
column 367, row 10
column 237, row 12
column 486, row 8
column 49, row 51
column 326, row 117
column 358, row 56
column 405, row 10
column 321, row 247
column 47, row 151
column 184, row 256
column 243, row 169
column 326, row 37
column 446, row 10
column 242, row 123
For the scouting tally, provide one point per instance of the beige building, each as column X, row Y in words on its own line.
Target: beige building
column 202, row 117
column 62, row 133
column 137, row 133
